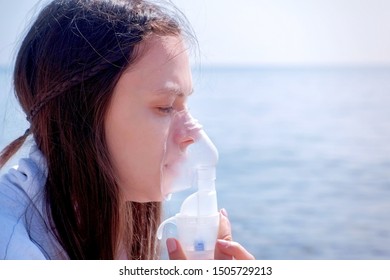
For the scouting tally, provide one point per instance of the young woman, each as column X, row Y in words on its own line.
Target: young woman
column 98, row 81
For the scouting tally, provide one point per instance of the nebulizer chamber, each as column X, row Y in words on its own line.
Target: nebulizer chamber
column 193, row 166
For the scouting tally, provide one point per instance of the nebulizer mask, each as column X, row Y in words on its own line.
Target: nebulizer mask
column 190, row 161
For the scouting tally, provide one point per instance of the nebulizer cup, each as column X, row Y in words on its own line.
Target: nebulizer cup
column 191, row 160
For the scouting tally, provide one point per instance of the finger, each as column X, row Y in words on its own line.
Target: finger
column 224, row 233
column 225, row 229
column 175, row 251
column 234, row 250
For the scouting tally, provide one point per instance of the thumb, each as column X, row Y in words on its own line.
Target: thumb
column 175, row 251
column 224, row 233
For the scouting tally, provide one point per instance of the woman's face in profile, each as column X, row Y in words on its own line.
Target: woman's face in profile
column 140, row 112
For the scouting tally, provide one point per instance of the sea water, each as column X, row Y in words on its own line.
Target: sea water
column 304, row 167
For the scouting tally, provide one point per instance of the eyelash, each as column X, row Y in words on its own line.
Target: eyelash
column 166, row 110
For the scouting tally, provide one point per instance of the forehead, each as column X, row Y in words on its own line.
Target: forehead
column 157, row 52
column 163, row 63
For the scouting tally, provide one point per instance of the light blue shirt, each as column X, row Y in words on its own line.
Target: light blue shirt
column 25, row 231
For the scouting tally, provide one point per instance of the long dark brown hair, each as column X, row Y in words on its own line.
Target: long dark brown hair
column 65, row 73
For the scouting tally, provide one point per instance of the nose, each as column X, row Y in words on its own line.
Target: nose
column 185, row 142
column 187, row 129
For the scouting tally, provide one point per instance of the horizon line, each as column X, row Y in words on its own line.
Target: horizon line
column 259, row 66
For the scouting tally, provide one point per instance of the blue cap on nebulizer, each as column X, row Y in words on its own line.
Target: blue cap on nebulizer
column 195, row 166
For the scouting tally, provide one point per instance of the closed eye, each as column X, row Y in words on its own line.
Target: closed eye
column 166, row 110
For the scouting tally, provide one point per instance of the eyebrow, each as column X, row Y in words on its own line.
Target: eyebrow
column 174, row 91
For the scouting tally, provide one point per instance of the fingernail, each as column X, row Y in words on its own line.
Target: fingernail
column 224, row 212
column 171, row 245
column 223, row 243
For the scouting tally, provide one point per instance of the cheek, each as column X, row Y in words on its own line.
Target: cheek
column 173, row 150
column 147, row 148
column 137, row 146
column 140, row 149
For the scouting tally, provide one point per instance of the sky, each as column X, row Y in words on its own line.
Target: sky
column 261, row 32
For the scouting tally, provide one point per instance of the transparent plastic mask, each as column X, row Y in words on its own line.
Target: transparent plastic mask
column 190, row 161
column 188, row 149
